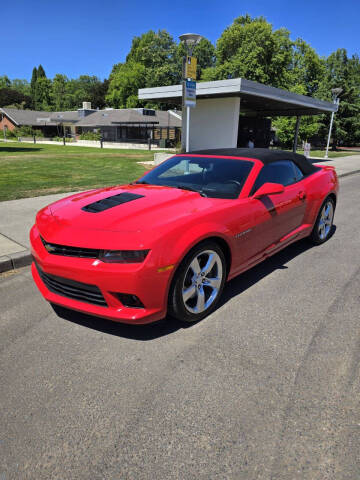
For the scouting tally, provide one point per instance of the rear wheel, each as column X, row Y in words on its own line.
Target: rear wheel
column 324, row 222
column 198, row 283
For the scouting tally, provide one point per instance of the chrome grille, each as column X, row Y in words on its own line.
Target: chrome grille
column 67, row 251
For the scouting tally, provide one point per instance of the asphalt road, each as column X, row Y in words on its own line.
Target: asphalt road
column 267, row 387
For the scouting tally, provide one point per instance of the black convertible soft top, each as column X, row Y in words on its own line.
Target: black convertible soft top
column 263, row 154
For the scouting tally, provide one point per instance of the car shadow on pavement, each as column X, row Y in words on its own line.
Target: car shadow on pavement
column 277, row 262
column 134, row 332
column 169, row 325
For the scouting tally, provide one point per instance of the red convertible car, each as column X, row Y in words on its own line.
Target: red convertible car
column 168, row 242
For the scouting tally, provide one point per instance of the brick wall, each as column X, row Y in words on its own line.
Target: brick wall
column 5, row 121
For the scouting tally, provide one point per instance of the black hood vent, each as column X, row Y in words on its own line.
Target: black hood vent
column 110, row 202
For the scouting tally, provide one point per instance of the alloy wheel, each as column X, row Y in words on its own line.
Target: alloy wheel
column 202, row 281
column 326, row 220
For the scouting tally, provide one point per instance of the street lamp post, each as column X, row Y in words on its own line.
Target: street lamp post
column 4, row 126
column 190, row 40
column 336, row 92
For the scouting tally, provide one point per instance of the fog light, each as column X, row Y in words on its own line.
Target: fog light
column 130, row 300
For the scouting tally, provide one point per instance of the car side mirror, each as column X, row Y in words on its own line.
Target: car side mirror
column 269, row 189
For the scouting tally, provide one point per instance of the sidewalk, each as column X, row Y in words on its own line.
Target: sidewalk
column 17, row 217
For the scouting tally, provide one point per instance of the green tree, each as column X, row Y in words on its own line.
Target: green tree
column 342, row 72
column 154, row 59
column 13, row 99
column 43, row 94
column 250, row 48
column 21, row 85
column 285, row 126
column 86, row 88
column 124, row 82
column 59, row 97
column 5, row 81
column 152, row 49
column 41, row 72
column 33, row 87
column 307, row 68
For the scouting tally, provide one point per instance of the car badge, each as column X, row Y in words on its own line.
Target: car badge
column 49, row 248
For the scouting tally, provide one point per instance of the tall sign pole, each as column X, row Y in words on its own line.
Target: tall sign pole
column 189, row 81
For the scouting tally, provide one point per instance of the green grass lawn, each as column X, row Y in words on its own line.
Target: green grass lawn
column 321, row 153
column 28, row 170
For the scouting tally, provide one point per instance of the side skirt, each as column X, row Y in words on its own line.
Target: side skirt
column 297, row 234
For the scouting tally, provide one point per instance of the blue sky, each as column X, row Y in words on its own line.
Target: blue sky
column 87, row 37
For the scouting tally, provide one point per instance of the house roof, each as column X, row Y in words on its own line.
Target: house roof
column 96, row 118
column 40, row 118
column 129, row 116
column 255, row 97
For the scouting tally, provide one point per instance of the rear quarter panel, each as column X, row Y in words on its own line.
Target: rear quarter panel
column 318, row 186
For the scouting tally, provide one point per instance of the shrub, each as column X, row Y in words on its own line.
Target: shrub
column 27, row 131
column 60, row 139
column 9, row 134
column 90, row 136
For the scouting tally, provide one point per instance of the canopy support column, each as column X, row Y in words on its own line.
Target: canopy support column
column 298, row 118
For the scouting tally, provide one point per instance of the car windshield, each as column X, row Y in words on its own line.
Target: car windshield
column 209, row 176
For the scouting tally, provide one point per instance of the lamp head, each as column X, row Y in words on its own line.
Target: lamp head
column 336, row 91
column 190, row 39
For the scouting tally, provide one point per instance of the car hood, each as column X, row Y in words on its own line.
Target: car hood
column 130, row 208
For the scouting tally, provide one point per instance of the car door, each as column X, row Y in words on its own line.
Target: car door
column 278, row 215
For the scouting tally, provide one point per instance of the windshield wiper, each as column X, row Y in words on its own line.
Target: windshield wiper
column 191, row 189
column 140, row 182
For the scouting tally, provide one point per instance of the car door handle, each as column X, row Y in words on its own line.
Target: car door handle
column 302, row 195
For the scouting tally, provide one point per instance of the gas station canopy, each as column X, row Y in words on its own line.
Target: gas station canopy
column 215, row 122
column 255, row 97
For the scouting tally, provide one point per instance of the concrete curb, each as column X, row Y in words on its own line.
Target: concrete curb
column 349, row 173
column 24, row 258
column 15, row 260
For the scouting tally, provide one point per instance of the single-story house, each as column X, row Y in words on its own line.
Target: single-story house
column 135, row 125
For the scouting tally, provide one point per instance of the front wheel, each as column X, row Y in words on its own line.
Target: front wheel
column 324, row 222
column 198, row 283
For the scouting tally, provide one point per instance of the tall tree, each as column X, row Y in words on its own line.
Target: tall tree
column 33, row 87
column 250, row 48
column 307, row 68
column 86, row 88
column 154, row 59
column 58, row 92
column 124, row 82
column 43, row 94
column 13, row 99
column 152, row 49
column 21, row 85
column 342, row 72
column 41, row 72
column 5, row 81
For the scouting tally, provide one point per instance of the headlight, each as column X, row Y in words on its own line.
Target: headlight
column 123, row 256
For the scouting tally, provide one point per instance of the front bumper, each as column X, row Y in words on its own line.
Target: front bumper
column 142, row 280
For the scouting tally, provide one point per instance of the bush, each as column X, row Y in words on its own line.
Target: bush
column 90, row 136
column 27, row 131
column 60, row 139
column 9, row 134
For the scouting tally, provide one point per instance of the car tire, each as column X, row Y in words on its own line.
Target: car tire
column 198, row 283
column 323, row 226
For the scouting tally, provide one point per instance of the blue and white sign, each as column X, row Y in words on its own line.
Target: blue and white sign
column 190, row 93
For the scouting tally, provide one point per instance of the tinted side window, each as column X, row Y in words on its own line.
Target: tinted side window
column 298, row 173
column 277, row 172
